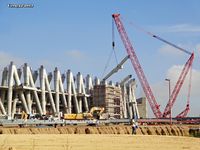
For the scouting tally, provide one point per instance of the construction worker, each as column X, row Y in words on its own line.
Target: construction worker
column 134, row 126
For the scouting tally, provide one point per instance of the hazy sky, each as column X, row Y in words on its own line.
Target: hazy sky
column 77, row 35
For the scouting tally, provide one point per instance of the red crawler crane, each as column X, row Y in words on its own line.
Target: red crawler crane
column 136, row 65
column 177, row 88
column 140, row 74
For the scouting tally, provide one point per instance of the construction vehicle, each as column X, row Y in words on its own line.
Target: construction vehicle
column 23, row 115
column 94, row 113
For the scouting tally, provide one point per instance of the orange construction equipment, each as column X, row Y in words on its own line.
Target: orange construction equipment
column 95, row 113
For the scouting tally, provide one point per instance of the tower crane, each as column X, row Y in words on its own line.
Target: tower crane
column 141, row 76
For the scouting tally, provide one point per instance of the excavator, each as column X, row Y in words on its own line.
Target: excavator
column 24, row 115
column 94, row 113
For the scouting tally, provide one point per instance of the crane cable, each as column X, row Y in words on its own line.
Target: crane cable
column 158, row 38
column 112, row 51
column 113, row 40
column 189, row 86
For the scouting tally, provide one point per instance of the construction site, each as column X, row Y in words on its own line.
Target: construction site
column 69, row 105
column 38, row 93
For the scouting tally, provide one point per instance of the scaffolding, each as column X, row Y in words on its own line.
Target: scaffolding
column 109, row 97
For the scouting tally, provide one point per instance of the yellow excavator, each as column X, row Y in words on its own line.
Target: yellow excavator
column 94, row 113
column 24, row 115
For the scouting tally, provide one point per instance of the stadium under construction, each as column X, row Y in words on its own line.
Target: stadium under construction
column 54, row 94
column 31, row 91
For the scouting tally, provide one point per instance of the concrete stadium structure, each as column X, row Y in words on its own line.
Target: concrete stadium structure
column 39, row 92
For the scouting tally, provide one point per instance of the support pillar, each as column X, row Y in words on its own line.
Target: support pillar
column 42, row 86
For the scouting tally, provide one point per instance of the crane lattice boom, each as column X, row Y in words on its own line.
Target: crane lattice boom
column 178, row 86
column 184, row 113
column 136, row 65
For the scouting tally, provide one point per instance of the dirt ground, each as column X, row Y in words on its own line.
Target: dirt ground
column 112, row 129
column 96, row 142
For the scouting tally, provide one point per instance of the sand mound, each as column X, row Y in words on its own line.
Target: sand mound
column 113, row 129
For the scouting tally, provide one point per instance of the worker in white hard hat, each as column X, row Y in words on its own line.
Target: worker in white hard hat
column 134, row 126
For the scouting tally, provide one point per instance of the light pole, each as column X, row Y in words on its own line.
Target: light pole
column 170, row 102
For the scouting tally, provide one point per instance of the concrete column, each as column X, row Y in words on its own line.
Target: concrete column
column 42, row 87
column 50, row 76
column 21, row 94
column 29, row 101
column 4, row 76
column 79, row 91
column 123, row 85
column 32, row 84
column 2, row 108
column 89, row 85
column 10, row 89
column 47, row 85
column 63, row 78
column 129, row 101
column 76, row 105
column 26, row 83
column 19, row 73
column 35, row 75
column 135, row 108
column 4, row 83
column 14, row 106
column 69, row 96
column 72, row 90
column 84, row 93
column 124, row 104
column 61, row 81
column 56, row 88
column 80, row 104
column 96, row 81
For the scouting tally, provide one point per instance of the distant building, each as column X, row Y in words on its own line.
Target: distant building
column 142, row 107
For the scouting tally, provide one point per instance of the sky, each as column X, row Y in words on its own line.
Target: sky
column 77, row 35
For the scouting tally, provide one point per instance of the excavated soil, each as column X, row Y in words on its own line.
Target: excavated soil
column 113, row 137
column 114, row 129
